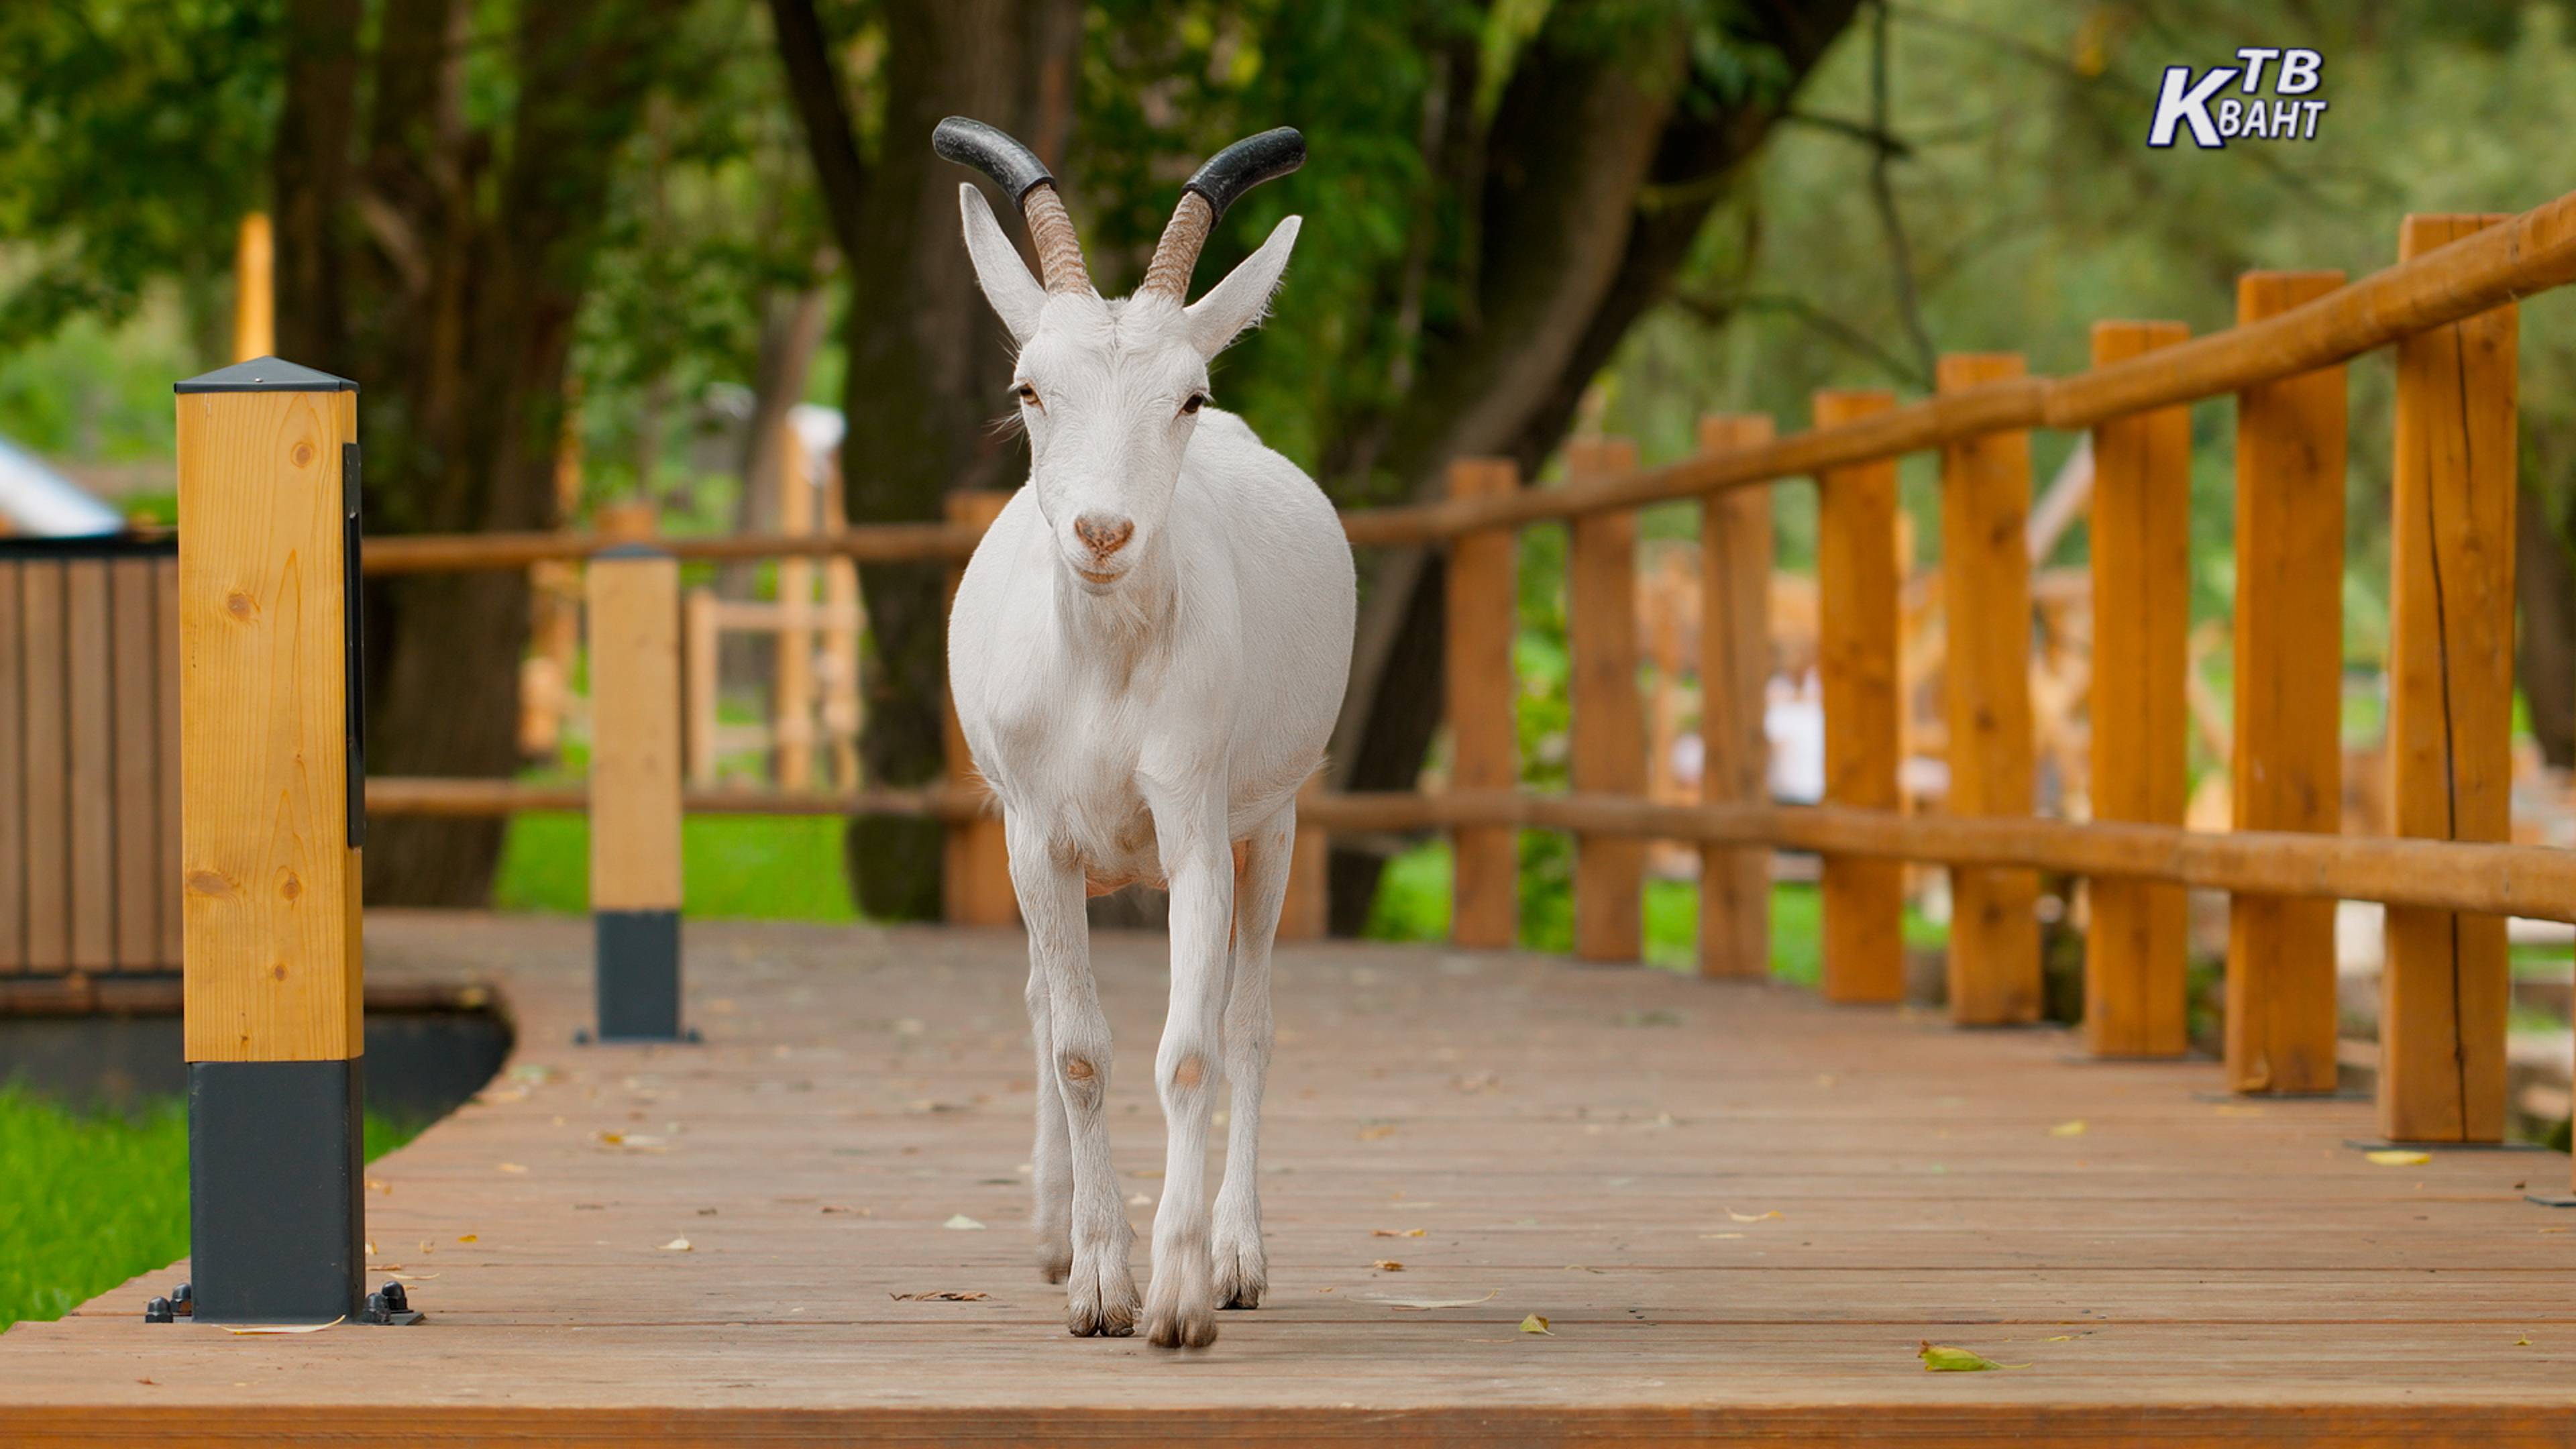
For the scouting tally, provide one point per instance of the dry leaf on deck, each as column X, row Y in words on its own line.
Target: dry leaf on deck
column 1397, row 1232
column 2523, row 1342
column 1536, row 1323
column 512, row 1167
column 2068, row 1129
column 471, row 1238
column 248, row 1329
column 1754, row 1217
column 963, row 1224
column 1389, row 1265
column 949, row 1295
column 1942, row 1359
column 2398, row 1157
column 677, row 1245
column 1422, row 1303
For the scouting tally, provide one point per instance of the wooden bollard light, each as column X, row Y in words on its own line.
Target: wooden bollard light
column 272, row 820
column 635, row 791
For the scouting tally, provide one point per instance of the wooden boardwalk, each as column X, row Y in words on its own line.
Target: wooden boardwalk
column 1739, row 1210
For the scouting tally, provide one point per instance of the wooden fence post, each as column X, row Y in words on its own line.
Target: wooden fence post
column 1863, row 901
column 702, row 674
column 1483, row 694
column 2448, row 987
column 975, row 880
column 1609, row 731
column 254, row 289
column 1985, row 606
column 635, row 876
column 273, row 821
column 2287, row 763
column 792, row 706
column 1734, row 689
column 2136, row 948
column 1304, row 916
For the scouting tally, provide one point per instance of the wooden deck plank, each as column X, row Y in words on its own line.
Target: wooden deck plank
column 1602, row 1148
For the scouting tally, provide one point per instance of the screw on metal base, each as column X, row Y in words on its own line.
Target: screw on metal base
column 182, row 1303
column 390, row 1305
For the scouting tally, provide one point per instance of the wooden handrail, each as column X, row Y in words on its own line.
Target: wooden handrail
column 427, row 796
column 428, row 553
column 2529, row 253
column 2511, row 880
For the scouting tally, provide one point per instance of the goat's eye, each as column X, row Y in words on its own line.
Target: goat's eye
column 1027, row 394
column 1194, row 402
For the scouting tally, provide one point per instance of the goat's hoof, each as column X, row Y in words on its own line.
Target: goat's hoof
column 1102, row 1302
column 1169, row 1325
column 1055, row 1261
column 1241, row 1277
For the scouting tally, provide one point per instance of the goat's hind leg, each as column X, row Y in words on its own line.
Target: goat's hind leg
column 1242, row 1268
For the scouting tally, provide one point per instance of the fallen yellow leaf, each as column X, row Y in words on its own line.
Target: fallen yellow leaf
column 1389, row 1265
column 1537, row 1323
column 2068, row 1129
column 2396, row 1157
column 512, row 1167
column 248, row 1329
column 677, row 1245
column 471, row 1238
column 1425, row 1303
column 1721, row 1235
column 1943, row 1359
column 2523, row 1342
column 1397, row 1232
column 963, row 1224
column 1753, row 1217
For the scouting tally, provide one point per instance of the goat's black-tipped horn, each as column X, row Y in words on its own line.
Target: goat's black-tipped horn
column 1246, row 164
column 1019, row 171
column 1204, row 199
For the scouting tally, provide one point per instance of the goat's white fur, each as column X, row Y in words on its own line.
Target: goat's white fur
column 1142, row 712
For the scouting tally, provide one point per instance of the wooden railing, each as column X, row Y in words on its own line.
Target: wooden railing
column 2448, row 309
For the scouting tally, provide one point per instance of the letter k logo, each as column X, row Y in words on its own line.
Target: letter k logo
column 2182, row 103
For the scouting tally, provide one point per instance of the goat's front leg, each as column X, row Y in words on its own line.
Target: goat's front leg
column 1242, row 1269
column 1100, row 1293
column 1051, row 1155
column 1180, row 1306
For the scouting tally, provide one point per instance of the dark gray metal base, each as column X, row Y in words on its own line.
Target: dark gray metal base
column 638, row 975
column 2364, row 1144
column 2551, row 1199
column 2342, row 1094
column 276, row 1212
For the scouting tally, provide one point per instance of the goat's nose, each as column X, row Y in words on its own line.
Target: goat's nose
column 1104, row 533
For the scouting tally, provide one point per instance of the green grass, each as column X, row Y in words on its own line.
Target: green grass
column 767, row 867
column 1413, row 905
column 87, row 1201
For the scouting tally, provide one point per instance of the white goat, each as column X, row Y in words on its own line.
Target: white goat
column 1148, row 652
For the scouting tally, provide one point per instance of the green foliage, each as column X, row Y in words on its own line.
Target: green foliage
column 89, row 1201
column 133, row 134
column 764, row 867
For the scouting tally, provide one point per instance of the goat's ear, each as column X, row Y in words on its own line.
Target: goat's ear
column 1239, row 301
column 1007, row 284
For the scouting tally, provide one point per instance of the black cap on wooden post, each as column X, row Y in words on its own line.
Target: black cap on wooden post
column 271, row 825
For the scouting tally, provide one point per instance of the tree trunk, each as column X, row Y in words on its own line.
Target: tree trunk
column 928, row 364
column 448, row 292
column 2544, row 579
column 1580, row 230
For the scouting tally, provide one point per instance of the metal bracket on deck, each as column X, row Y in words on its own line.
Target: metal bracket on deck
column 387, row 1305
column 2551, row 1199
